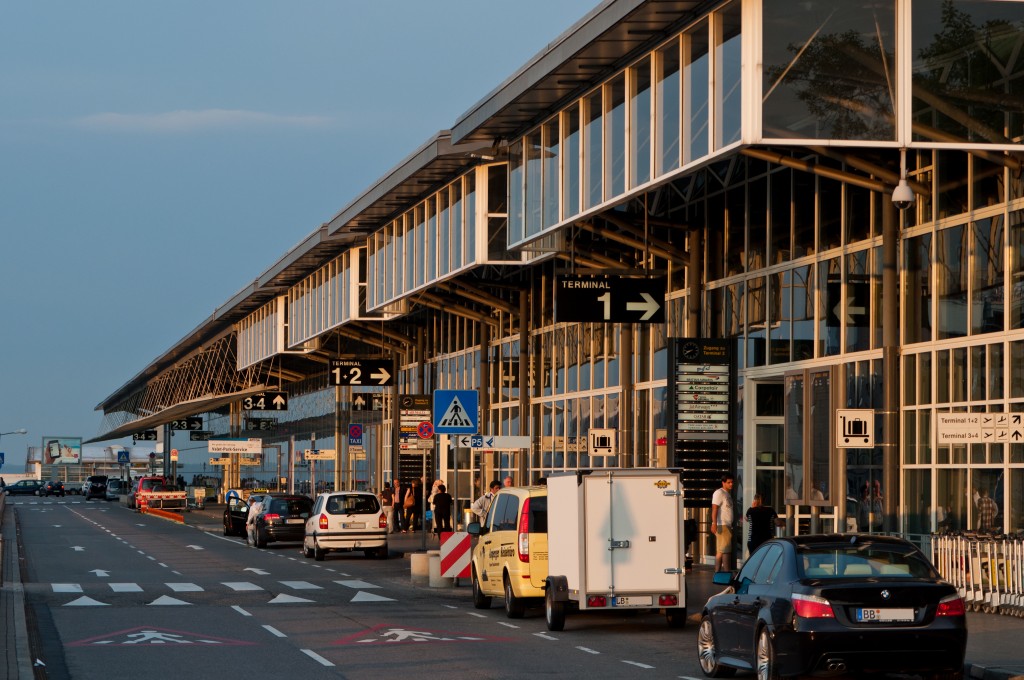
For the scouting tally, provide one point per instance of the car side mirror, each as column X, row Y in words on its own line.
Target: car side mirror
column 722, row 578
column 474, row 529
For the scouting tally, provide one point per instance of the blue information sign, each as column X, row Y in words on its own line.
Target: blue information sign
column 122, row 457
column 456, row 411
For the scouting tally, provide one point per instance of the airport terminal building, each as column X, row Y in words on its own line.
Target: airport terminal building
column 716, row 235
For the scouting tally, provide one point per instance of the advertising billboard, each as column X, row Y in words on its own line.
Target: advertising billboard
column 62, row 450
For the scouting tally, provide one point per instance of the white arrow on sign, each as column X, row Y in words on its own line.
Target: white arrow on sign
column 359, row 401
column 650, row 306
column 381, row 376
column 279, row 402
column 77, row 548
column 195, row 547
column 100, row 573
column 258, row 572
column 850, row 311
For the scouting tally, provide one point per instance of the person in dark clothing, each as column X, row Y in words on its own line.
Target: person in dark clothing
column 442, row 510
column 761, row 523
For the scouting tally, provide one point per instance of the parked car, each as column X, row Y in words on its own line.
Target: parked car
column 344, row 521
column 54, row 487
column 510, row 559
column 24, row 487
column 281, row 518
column 95, row 487
column 834, row 604
column 142, row 484
column 236, row 512
column 115, row 489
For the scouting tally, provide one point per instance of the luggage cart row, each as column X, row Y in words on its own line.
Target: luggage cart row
column 987, row 570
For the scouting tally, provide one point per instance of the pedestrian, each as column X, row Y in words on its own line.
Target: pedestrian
column 987, row 511
column 483, row 504
column 3, row 484
column 399, row 499
column 415, row 515
column 722, row 518
column 507, row 482
column 387, row 502
column 761, row 522
column 442, row 510
column 430, row 501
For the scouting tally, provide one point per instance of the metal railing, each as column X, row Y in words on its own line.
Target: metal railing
column 987, row 570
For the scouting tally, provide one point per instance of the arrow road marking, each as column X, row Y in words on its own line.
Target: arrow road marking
column 100, row 573
column 195, row 547
column 649, row 306
column 77, row 548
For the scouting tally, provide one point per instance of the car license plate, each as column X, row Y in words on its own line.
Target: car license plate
column 884, row 615
column 296, row 521
column 626, row 601
column 353, row 525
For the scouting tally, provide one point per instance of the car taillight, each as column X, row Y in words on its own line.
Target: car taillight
column 323, row 521
column 812, row 607
column 597, row 601
column 667, row 600
column 382, row 521
column 271, row 516
column 951, row 606
column 524, row 532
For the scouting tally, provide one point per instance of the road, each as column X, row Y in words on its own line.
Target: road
column 112, row 594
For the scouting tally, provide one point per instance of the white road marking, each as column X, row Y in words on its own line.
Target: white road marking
column 241, row 585
column 165, row 600
column 240, row 610
column 507, row 625
column 66, row 588
column 316, row 657
column 588, row 650
column 184, row 587
column 637, row 664
column 545, row 636
column 479, row 616
column 274, row 631
column 301, row 585
column 125, row 587
column 86, row 602
column 360, row 585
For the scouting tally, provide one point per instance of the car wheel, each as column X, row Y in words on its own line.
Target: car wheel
column 260, row 539
column 676, row 618
column 554, row 611
column 514, row 606
column 707, row 651
column 766, row 668
column 306, row 552
column 227, row 529
column 318, row 553
column 480, row 601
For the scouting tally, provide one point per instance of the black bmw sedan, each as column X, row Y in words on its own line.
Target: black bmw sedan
column 834, row 605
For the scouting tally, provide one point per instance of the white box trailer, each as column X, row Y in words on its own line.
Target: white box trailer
column 615, row 541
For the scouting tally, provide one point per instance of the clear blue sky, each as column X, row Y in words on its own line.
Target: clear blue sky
column 155, row 158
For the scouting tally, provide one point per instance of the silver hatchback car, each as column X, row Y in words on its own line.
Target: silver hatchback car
column 346, row 521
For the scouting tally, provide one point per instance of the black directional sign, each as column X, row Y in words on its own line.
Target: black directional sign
column 374, row 372
column 260, row 423
column 266, row 401
column 203, row 436
column 144, row 436
column 192, row 423
column 368, row 402
column 610, row 300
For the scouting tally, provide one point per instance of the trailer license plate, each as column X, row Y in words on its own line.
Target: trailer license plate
column 884, row 615
column 625, row 601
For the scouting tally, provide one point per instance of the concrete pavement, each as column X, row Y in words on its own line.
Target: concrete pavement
column 994, row 647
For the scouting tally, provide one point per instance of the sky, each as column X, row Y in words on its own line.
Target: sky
column 156, row 158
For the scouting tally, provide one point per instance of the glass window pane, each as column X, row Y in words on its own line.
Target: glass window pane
column 728, row 76
column 695, row 92
column 803, row 313
column 830, row 74
column 781, row 215
column 951, row 282
column 534, row 163
column 552, row 161
column 571, row 162
column 615, row 134
column 965, row 57
column 444, row 231
column 640, row 123
column 516, row 193
column 917, row 303
column 667, row 117
column 431, row 243
column 593, row 155
column 987, row 276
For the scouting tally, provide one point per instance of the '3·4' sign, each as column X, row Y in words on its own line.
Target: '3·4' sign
column 266, row 401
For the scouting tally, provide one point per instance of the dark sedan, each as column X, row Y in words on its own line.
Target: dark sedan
column 282, row 518
column 24, row 487
column 831, row 605
column 53, row 488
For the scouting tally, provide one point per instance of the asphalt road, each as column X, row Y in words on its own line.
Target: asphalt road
column 114, row 594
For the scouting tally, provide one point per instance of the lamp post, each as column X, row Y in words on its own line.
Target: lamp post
column 18, row 431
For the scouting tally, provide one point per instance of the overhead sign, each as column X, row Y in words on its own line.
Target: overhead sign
column 203, row 436
column 236, row 446
column 375, row 372
column 855, row 428
column 978, row 428
column 853, row 312
column 610, row 300
column 220, row 461
column 499, row 443
column 248, row 462
column 260, row 423
column 266, row 401
column 368, row 402
column 319, row 454
column 458, row 411
column 144, row 436
column 189, row 423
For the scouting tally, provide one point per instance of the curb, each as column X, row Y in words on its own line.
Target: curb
column 979, row 672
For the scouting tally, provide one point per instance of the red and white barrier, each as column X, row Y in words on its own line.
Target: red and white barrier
column 456, row 554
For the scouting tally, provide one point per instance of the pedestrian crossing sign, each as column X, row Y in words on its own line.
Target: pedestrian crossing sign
column 458, row 411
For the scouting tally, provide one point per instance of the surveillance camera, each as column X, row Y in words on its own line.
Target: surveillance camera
column 903, row 196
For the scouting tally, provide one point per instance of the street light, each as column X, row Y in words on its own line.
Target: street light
column 18, row 431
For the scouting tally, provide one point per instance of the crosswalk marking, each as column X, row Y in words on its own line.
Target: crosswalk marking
column 66, row 588
column 125, row 587
column 240, row 586
column 184, row 587
column 235, row 586
column 301, row 585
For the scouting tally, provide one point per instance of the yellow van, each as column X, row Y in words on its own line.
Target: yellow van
column 510, row 558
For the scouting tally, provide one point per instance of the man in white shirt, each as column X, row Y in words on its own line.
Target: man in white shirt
column 722, row 518
column 482, row 505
